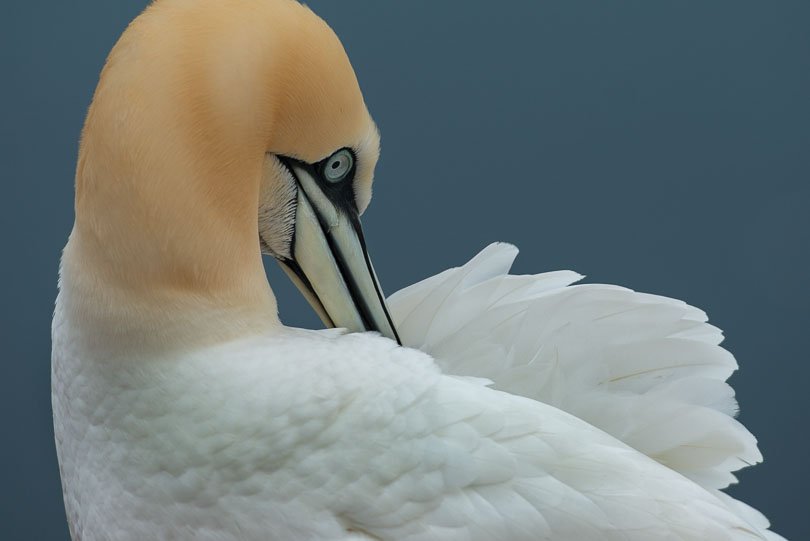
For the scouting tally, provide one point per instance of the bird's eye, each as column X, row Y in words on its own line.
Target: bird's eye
column 338, row 166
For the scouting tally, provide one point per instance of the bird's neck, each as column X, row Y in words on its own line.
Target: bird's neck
column 149, row 222
column 165, row 246
column 167, row 252
column 111, row 315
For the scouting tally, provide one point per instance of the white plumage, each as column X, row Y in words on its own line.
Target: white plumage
column 325, row 435
column 646, row 369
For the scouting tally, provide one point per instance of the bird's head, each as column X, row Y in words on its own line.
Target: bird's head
column 219, row 129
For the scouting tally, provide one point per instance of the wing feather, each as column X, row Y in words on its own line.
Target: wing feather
column 646, row 369
column 491, row 465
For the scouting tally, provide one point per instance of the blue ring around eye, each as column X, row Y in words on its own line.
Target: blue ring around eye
column 338, row 165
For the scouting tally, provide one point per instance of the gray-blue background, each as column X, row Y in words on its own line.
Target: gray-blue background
column 660, row 145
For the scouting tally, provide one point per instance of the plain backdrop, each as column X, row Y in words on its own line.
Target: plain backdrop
column 664, row 146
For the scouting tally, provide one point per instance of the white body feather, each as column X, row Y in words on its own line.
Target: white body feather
column 323, row 435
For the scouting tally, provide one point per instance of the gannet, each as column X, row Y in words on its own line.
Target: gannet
column 526, row 408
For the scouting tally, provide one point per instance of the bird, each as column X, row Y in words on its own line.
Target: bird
column 473, row 405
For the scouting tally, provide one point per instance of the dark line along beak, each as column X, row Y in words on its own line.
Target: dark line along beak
column 330, row 263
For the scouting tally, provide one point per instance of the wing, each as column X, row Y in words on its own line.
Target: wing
column 646, row 369
column 412, row 454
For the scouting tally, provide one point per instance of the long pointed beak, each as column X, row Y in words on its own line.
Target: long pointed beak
column 330, row 263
